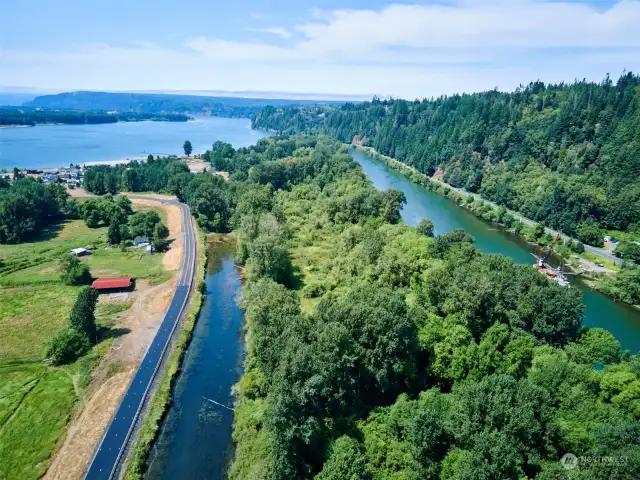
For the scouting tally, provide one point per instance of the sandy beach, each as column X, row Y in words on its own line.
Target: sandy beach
column 193, row 159
column 115, row 162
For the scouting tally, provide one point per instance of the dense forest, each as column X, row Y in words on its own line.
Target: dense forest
column 567, row 155
column 158, row 103
column 33, row 116
column 212, row 200
column 376, row 351
column 28, row 207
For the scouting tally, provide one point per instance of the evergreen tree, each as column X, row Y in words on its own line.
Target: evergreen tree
column 82, row 319
column 187, row 148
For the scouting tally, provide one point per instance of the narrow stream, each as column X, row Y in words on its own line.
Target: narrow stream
column 600, row 311
column 195, row 441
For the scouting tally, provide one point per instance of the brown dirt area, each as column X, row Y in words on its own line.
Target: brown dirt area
column 136, row 329
column 150, row 195
column 78, row 192
column 197, row 166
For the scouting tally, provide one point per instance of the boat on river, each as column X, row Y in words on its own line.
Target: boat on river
column 554, row 274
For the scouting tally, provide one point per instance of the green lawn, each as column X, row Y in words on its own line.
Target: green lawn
column 596, row 259
column 34, row 409
column 37, row 401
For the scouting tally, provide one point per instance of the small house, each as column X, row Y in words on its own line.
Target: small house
column 114, row 284
column 140, row 241
column 79, row 252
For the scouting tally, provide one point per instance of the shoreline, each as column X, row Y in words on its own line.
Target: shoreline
column 408, row 171
column 113, row 163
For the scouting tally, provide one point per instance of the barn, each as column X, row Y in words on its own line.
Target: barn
column 114, row 284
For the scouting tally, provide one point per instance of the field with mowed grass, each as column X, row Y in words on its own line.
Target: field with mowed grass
column 37, row 400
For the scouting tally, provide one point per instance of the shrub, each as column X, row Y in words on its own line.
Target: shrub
column 73, row 271
column 629, row 251
column 590, row 233
column 425, row 227
column 518, row 226
column 577, row 247
column 66, row 346
column 313, row 290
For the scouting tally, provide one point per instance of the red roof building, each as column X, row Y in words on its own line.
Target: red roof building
column 111, row 283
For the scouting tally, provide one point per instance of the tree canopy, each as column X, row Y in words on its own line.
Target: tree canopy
column 379, row 351
column 567, row 154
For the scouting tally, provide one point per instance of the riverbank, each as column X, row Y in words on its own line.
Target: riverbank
column 594, row 265
column 162, row 399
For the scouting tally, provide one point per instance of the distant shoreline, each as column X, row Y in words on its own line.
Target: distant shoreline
column 113, row 163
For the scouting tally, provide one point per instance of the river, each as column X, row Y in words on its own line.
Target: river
column 600, row 310
column 59, row 145
column 195, row 440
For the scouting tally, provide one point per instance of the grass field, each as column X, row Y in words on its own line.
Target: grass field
column 36, row 400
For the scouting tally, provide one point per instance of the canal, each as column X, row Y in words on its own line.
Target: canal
column 600, row 310
column 195, row 441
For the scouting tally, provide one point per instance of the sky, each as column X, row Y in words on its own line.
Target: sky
column 404, row 49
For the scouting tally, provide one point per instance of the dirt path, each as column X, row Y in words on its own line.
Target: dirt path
column 137, row 326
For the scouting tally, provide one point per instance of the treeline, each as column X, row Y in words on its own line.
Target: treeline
column 124, row 225
column 32, row 116
column 28, row 206
column 567, row 155
column 213, row 201
column 159, row 103
column 376, row 351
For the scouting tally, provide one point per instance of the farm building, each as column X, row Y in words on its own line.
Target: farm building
column 140, row 241
column 112, row 284
column 79, row 252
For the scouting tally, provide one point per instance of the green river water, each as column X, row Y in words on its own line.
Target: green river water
column 600, row 311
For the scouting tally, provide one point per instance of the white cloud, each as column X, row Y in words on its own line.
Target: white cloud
column 498, row 23
column 278, row 31
column 256, row 15
column 404, row 50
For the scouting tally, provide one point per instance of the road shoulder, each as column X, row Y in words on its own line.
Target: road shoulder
column 113, row 375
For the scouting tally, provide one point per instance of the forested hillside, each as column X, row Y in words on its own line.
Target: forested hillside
column 159, row 103
column 33, row 116
column 567, row 155
column 375, row 351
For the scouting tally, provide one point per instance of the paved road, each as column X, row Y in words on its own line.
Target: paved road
column 110, row 450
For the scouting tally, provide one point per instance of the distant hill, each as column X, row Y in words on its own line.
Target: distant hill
column 567, row 155
column 164, row 103
column 15, row 99
column 41, row 116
